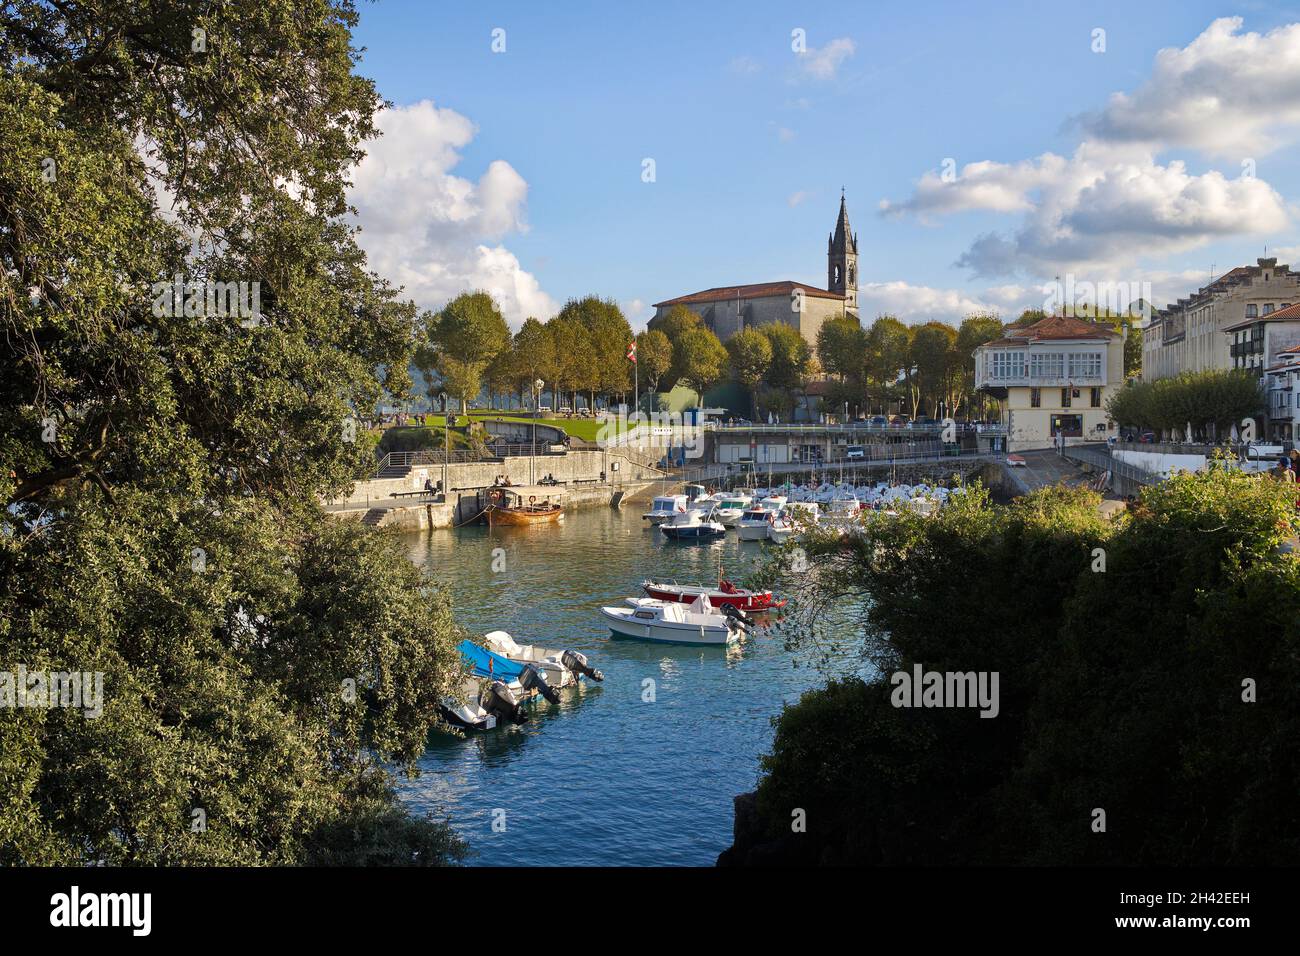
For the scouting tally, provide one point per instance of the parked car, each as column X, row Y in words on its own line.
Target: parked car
column 878, row 421
column 899, row 421
column 924, row 421
column 855, row 451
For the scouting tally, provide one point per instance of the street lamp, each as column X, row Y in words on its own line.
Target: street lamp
column 532, row 452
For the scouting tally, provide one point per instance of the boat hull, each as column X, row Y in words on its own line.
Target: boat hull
column 514, row 517
column 752, row 532
column 743, row 601
column 694, row 533
column 664, row 633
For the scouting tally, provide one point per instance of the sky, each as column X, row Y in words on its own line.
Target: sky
column 643, row 151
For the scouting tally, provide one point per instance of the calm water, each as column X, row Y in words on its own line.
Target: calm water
column 604, row 778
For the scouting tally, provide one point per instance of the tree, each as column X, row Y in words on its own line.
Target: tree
column 888, row 348
column 608, row 335
column 703, row 359
column 533, row 355
column 751, row 355
column 654, row 355
column 462, row 341
column 932, row 353
column 975, row 330
column 675, row 323
column 161, row 467
column 1110, row 695
column 842, row 347
column 791, row 356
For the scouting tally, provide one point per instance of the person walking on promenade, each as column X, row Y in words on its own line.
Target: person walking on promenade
column 1282, row 470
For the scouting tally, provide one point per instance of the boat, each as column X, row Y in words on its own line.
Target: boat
column 507, row 506
column 693, row 526
column 753, row 524
column 669, row 622
column 664, row 507
column 844, row 514
column 730, row 508
column 561, row 668
column 797, row 516
column 725, row 594
column 486, row 704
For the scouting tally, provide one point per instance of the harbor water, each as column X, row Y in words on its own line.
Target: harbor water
column 639, row 770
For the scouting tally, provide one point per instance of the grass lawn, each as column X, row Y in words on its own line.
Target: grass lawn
column 583, row 428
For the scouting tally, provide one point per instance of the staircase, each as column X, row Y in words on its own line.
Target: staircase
column 372, row 517
column 393, row 471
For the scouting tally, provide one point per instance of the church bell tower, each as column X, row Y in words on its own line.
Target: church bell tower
column 842, row 261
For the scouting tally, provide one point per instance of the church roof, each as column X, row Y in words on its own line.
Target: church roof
column 758, row 290
column 843, row 240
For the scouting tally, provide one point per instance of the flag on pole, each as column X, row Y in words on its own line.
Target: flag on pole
column 631, row 352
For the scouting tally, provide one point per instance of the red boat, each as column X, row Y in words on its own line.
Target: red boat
column 742, row 599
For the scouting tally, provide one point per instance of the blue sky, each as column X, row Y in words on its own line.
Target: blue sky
column 522, row 172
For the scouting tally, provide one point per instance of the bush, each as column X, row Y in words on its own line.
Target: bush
column 1120, row 690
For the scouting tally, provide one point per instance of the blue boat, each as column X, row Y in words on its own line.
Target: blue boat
column 484, row 663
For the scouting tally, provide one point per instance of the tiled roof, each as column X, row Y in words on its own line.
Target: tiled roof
column 1290, row 314
column 1054, row 327
column 755, row 291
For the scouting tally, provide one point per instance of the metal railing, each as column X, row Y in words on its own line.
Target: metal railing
column 1100, row 457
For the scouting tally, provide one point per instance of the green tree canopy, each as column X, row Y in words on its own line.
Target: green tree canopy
column 702, row 357
column 791, row 356
column 161, row 467
column 654, row 354
column 751, row 356
column 462, row 340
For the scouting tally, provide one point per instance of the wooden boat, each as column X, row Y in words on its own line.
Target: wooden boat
column 508, row 507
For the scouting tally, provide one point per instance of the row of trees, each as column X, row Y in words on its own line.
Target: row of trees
column 924, row 369
column 1211, row 402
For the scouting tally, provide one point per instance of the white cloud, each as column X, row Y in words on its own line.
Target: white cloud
column 435, row 233
column 796, row 198
column 1115, row 202
column 744, row 65
column 915, row 304
column 1226, row 94
column 822, row 64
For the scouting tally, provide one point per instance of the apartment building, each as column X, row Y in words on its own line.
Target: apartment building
column 1189, row 335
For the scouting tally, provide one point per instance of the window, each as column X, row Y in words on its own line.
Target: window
column 1252, row 311
column 1065, row 398
column 1268, row 308
column 1085, row 365
column 1096, row 398
column 1046, row 365
column 1005, row 365
column 1036, row 398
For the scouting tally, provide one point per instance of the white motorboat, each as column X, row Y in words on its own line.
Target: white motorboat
column 485, row 704
column 730, row 508
column 664, row 507
column 560, row 668
column 753, row 524
column 670, row 622
column 797, row 516
column 844, row 514
column 693, row 526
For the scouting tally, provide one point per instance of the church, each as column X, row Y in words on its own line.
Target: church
column 728, row 309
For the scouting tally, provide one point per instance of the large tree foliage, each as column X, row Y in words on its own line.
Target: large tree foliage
column 1140, row 686
column 462, row 342
column 654, row 356
column 751, row 356
column 161, row 466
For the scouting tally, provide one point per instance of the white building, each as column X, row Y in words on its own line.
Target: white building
column 1053, row 378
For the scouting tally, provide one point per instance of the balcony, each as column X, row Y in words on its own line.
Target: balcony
column 985, row 381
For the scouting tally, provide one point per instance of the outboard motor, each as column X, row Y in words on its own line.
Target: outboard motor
column 737, row 615
column 497, row 698
column 578, row 664
column 531, row 679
